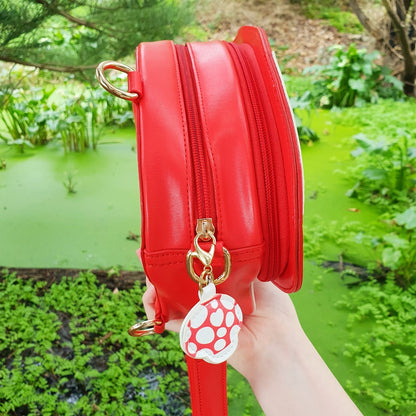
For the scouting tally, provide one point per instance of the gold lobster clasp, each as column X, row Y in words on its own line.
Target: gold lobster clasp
column 205, row 232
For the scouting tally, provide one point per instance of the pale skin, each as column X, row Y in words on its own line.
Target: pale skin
column 286, row 373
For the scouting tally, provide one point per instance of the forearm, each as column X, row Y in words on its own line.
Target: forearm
column 291, row 379
column 286, row 373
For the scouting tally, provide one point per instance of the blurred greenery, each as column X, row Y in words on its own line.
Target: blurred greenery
column 74, row 36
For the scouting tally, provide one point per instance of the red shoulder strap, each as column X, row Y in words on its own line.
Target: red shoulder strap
column 208, row 387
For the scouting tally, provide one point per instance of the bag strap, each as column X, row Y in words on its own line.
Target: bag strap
column 208, row 387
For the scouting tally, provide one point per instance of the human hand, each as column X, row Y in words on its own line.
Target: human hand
column 271, row 323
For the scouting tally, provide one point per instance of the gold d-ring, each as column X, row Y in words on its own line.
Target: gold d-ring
column 99, row 73
column 144, row 328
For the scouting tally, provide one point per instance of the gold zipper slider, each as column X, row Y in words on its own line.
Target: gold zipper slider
column 205, row 229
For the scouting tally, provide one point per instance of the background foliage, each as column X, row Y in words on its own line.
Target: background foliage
column 63, row 348
column 68, row 35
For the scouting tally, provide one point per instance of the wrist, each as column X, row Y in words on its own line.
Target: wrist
column 288, row 377
column 267, row 349
column 272, row 352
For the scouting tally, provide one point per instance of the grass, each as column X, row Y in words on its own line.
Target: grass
column 343, row 20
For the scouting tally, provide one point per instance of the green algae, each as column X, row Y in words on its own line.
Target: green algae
column 327, row 208
column 44, row 226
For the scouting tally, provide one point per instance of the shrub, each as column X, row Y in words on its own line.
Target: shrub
column 352, row 78
column 386, row 169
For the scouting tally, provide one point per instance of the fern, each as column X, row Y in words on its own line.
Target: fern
column 384, row 351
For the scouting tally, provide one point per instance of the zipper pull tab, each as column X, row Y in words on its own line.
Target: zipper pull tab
column 205, row 229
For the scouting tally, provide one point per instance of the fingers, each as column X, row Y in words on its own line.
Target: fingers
column 149, row 302
column 174, row 325
column 272, row 302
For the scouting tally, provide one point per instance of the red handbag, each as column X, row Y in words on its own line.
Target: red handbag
column 221, row 191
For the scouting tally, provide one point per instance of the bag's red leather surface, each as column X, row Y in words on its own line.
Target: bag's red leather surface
column 258, row 219
column 216, row 139
column 287, row 162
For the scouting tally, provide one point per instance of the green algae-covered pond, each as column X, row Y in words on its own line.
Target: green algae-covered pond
column 42, row 225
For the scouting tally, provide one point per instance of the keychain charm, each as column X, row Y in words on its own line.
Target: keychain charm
column 210, row 329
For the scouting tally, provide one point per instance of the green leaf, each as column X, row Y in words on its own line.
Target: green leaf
column 407, row 218
column 363, row 141
column 375, row 174
column 371, row 146
column 33, row 129
column 357, row 84
column 74, row 119
column 21, row 141
column 391, row 257
column 357, row 152
column 411, row 153
column 395, row 241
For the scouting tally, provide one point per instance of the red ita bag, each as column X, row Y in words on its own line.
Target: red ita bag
column 221, row 189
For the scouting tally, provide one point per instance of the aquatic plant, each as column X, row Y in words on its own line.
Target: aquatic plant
column 80, row 130
column 382, row 347
column 33, row 117
column 69, row 183
column 303, row 104
column 26, row 118
column 386, row 168
column 399, row 248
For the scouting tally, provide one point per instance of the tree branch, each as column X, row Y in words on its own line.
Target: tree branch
column 50, row 67
column 404, row 39
column 409, row 62
column 364, row 20
column 73, row 19
column 77, row 20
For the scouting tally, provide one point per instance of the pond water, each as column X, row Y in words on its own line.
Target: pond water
column 326, row 182
column 42, row 225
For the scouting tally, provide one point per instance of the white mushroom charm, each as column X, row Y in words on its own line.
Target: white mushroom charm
column 210, row 329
